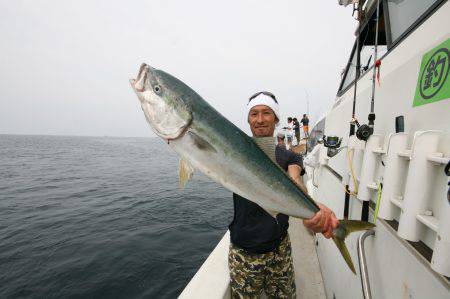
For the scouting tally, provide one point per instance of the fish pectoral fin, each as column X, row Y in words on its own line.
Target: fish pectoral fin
column 201, row 143
column 186, row 172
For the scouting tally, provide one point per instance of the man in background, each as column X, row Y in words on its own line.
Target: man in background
column 280, row 139
column 289, row 132
column 296, row 129
column 305, row 123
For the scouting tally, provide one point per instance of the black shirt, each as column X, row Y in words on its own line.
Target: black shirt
column 252, row 228
column 296, row 125
column 305, row 121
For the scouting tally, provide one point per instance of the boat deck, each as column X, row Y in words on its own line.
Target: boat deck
column 308, row 277
column 212, row 279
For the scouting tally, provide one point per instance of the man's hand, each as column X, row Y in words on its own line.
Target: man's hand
column 323, row 222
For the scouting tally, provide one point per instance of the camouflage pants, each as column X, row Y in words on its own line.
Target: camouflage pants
column 272, row 272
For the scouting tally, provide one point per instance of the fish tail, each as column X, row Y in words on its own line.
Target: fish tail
column 345, row 228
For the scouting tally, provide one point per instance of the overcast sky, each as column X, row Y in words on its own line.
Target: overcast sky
column 65, row 65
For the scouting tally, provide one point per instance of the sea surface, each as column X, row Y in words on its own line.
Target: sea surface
column 102, row 217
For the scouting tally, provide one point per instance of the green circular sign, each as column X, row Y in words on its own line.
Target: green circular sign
column 434, row 74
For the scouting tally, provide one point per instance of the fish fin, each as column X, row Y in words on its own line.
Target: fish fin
column 345, row 254
column 201, row 143
column 186, row 172
column 345, row 228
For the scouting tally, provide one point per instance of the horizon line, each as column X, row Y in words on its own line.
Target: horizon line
column 62, row 135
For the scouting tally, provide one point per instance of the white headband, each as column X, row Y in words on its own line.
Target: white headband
column 263, row 99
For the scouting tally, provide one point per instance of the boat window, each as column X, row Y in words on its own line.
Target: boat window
column 403, row 13
column 350, row 71
column 368, row 37
column 316, row 134
column 367, row 44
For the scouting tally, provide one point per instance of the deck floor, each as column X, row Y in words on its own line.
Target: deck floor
column 308, row 277
column 212, row 279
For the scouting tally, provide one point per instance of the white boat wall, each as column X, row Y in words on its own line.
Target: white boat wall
column 408, row 256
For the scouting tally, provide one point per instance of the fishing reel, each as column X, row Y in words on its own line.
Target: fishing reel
column 364, row 131
column 333, row 145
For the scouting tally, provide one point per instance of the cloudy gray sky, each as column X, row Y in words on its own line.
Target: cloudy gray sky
column 65, row 65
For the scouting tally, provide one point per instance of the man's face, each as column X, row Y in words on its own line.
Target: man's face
column 262, row 121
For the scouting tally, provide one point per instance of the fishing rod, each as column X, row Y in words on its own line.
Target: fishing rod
column 357, row 67
column 357, row 74
column 365, row 131
column 375, row 64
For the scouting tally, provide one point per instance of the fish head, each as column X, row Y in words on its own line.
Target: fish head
column 162, row 103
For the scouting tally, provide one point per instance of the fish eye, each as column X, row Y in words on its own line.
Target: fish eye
column 157, row 89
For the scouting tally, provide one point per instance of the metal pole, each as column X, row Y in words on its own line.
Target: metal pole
column 365, row 283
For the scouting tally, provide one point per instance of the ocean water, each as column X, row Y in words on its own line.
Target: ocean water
column 101, row 217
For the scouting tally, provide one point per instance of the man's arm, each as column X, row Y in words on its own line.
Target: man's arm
column 323, row 221
column 295, row 172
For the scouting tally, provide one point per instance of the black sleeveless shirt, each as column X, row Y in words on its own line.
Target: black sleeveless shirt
column 252, row 228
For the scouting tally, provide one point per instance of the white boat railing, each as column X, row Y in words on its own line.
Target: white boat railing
column 365, row 283
column 214, row 272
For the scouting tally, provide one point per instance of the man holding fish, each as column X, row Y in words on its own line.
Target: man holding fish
column 260, row 256
column 266, row 182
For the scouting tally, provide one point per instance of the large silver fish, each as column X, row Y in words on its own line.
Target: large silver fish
column 207, row 141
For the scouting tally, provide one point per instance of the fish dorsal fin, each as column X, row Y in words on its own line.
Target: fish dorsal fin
column 186, row 172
